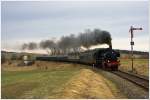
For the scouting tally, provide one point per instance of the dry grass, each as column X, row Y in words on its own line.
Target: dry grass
column 141, row 66
column 41, row 65
column 90, row 85
column 13, row 66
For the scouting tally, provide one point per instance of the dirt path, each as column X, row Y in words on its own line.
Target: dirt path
column 88, row 84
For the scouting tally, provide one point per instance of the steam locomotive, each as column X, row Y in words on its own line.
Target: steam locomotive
column 105, row 58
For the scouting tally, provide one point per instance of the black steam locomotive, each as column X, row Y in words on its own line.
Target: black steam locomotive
column 105, row 58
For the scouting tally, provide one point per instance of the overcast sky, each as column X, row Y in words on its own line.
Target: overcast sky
column 35, row 21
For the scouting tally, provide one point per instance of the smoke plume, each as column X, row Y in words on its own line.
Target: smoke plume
column 95, row 37
column 73, row 43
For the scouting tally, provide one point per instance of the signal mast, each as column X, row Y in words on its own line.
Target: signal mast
column 132, row 42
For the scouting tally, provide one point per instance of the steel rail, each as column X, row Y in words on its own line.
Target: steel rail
column 143, row 82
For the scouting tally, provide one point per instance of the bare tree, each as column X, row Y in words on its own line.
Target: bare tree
column 32, row 45
column 24, row 46
column 49, row 44
column 64, row 44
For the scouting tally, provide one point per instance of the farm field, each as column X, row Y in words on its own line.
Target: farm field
column 141, row 66
column 55, row 80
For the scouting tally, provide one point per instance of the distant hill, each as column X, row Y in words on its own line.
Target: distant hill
column 136, row 54
column 123, row 54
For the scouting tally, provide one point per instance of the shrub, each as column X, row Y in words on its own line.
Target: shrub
column 13, row 57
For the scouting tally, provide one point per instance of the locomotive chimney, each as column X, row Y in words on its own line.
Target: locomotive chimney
column 110, row 46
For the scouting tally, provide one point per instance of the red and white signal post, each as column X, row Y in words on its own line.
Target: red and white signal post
column 132, row 42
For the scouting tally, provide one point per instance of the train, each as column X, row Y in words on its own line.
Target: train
column 104, row 58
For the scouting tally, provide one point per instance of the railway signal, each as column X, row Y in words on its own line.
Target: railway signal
column 132, row 42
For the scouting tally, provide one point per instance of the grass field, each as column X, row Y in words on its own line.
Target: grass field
column 40, row 83
column 141, row 66
column 59, row 80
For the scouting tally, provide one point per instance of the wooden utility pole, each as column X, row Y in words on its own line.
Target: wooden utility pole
column 132, row 42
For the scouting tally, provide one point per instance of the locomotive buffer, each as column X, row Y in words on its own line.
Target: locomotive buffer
column 132, row 42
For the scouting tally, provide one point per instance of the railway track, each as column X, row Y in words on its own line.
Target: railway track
column 140, row 81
